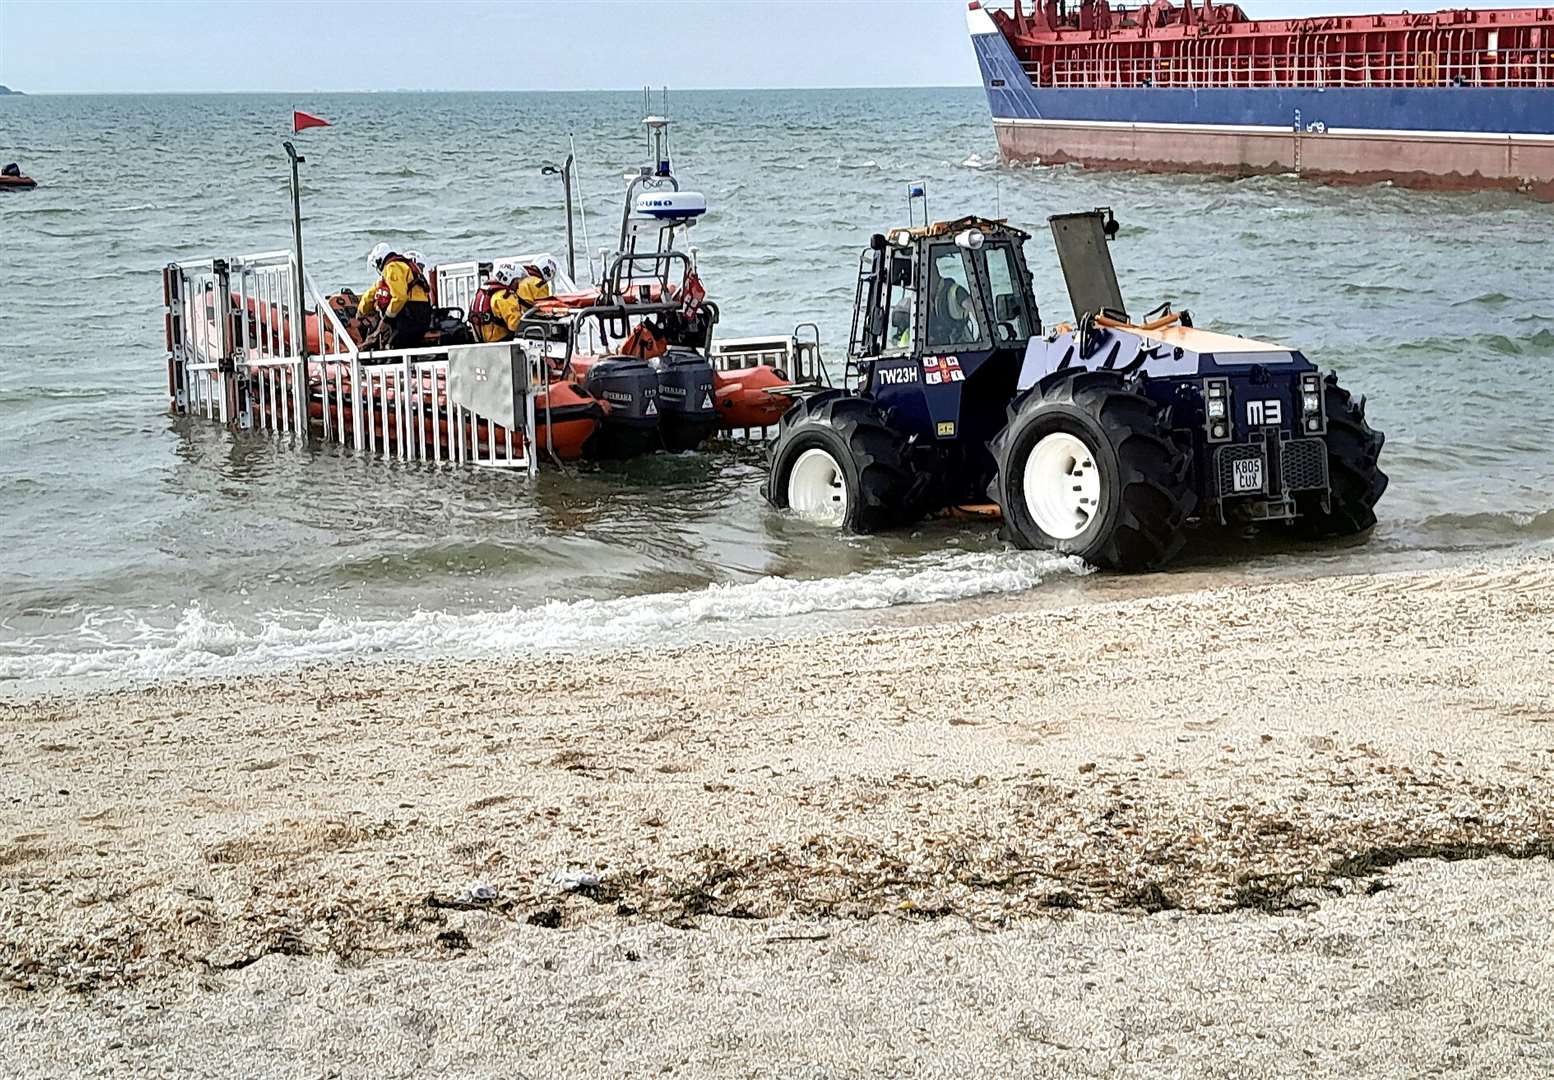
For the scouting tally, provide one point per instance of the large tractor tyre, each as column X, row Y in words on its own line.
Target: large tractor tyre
column 838, row 462
column 1087, row 467
column 1354, row 477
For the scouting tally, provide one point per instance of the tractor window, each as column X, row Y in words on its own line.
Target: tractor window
column 1011, row 323
column 899, row 302
column 952, row 317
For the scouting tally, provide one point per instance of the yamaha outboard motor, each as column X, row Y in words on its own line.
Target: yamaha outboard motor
column 629, row 389
column 686, row 414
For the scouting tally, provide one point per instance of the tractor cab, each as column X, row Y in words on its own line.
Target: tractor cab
column 957, row 286
column 941, row 318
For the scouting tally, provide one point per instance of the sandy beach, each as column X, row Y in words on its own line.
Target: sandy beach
column 1253, row 830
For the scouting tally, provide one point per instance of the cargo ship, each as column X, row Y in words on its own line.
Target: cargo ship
column 1446, row 99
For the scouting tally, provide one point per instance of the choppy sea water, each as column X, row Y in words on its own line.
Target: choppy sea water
column 140, row 545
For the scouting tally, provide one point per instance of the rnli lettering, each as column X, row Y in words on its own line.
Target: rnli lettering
column 896, row 375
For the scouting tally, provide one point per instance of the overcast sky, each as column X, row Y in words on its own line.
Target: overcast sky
column 58, row 46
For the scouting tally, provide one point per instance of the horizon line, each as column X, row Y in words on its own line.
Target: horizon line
column 404, row 90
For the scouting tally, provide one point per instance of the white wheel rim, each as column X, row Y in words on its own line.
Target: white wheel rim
column 817, row 489
column 1062, row 486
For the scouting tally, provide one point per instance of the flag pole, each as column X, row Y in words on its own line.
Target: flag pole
column 299, row 299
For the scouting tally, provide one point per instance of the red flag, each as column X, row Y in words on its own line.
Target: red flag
column 693, row 294
column 301, row 121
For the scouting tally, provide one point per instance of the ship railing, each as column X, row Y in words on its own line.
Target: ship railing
column 1312, row 68
column 244, row 353
column 796, row 355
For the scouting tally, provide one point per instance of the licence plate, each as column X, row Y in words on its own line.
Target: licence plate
column 1247, row 475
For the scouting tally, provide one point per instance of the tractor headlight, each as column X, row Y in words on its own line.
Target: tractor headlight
column 1216, row 408
column 1311, row 401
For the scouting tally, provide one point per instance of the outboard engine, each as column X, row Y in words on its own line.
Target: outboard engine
column 686, row 413
column 629, row 389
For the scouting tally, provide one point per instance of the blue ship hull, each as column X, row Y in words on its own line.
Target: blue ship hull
column 1425, row 136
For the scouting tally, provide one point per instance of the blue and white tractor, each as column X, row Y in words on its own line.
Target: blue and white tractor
column 1109, row 438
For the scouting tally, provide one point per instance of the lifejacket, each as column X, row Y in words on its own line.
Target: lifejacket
column 383, row 295
column 480, row 313
column 645, row 342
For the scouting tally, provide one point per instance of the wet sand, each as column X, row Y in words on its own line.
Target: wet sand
column 1253, row 830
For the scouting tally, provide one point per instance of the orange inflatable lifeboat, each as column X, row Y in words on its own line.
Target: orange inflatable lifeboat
column 753, row 397
column 344, row 305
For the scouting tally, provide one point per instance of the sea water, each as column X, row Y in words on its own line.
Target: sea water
column 135, row 544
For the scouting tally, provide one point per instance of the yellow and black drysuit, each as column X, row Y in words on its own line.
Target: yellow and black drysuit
column 403, row 297
column 531, row 290
column 495, row 312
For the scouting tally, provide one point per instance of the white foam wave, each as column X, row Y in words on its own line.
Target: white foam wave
column 202, row 645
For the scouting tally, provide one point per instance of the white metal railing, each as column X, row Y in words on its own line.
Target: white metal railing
column 1427, row 68
column 396, row 404
column 231, row 325
column 336, row 350
column 269, row 331
column 242, row 352
column 457, row 283
column 797, row 355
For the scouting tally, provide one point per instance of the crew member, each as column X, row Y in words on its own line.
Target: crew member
column 952, row 320
column 402, row 297
column 496, row 308
column 535, row 284
column 900, row 336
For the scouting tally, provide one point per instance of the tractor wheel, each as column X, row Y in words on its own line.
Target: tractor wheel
column 837, row 462
column 1355, row 481
column 1087, row 467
